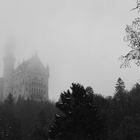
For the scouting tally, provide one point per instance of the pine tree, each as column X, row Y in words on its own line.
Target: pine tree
column 79, row 118
column 119, row 89
column 120, row 86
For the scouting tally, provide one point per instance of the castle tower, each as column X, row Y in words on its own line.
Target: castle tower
column 47, row 83
column 8, row 61
column 8, row 67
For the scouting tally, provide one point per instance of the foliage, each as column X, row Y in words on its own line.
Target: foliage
column 137, row 6
column 133, row 39
column 20, row 119
column 120, row 87
column 80, row 118
column 41, row 127
column 81, row 114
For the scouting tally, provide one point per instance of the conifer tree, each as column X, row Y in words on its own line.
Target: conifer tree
column 120, row 93
column 120, row 86
column 79, row 118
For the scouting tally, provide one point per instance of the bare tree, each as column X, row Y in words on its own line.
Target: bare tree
column 132, row 37
column 137, row 6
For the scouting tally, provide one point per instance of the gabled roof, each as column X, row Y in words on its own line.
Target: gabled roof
column 33, row 64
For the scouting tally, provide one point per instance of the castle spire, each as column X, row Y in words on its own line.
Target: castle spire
column 9, row 57
column 8, row 66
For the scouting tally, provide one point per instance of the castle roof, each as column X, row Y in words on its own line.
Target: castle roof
column 33, row 64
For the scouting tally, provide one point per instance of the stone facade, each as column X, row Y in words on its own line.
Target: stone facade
column 29, row 79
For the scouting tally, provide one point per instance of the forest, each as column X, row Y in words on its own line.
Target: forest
column 79, row 114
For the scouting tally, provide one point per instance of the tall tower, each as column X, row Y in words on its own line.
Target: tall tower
column 47, row 84
column 8, row 68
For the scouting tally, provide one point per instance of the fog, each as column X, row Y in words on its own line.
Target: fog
column 80, row 40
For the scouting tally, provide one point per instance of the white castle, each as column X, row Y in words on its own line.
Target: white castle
column 29, row 79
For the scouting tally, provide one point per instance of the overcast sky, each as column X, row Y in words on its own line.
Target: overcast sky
column 81, row 40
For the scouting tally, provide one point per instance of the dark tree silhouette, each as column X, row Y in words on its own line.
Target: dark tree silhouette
column 120, row 94
column 120, row 86
column 10, row 99
column 79, row 118
column 119, row 89
column 10, row 126
column 40, row 130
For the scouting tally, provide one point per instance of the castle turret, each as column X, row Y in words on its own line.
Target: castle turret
column 8, row 62
column 47, row 83
column 8, row 67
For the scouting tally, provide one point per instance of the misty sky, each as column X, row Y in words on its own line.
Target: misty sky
column 81, row 40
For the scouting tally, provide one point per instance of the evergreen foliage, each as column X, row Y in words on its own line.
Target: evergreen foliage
column 79, row 118
column 120, row 87
column 21, row 119
column 79, row 114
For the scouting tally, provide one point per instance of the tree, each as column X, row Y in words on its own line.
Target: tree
column 120, row 86
column 40, row 130
column 79, row 118
column 133, row 38
column 119, row 105
column 128, row 129
column 137, row 6
column 120, row 93
column 10, row 99
column 10, row 126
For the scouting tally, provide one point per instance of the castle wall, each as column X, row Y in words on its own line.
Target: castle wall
column 31, row 85
column 29, row 79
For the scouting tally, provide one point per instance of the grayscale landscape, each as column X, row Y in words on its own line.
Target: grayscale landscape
column 69, row 70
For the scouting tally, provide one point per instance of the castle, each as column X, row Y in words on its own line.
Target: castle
column 29, row 79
